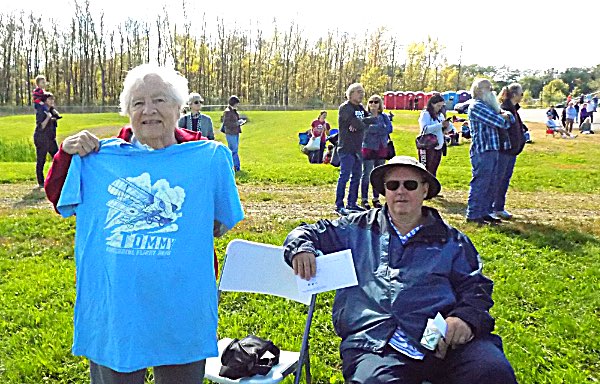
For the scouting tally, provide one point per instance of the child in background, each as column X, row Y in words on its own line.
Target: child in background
column 38, row 94
column 465, row 131
column 328, row 154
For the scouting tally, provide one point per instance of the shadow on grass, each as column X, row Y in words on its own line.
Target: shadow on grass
column 34, row 196
column 453, row 206
column 542, row 235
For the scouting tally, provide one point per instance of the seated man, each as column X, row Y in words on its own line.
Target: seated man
column 410, row 266
column 553, row 125
column 586, row 127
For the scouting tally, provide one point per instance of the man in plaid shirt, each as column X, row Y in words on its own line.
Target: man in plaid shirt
column 488, row 123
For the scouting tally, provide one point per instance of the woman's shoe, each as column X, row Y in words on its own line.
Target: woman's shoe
column 376, row 203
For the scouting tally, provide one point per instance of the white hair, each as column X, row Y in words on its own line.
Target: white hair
column 177, row 85
column 353, row 88
column 194, row 96
column 478, row 84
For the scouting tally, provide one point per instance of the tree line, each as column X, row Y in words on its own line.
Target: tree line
column 85, row 62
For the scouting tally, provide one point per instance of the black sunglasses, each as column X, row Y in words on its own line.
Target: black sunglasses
column 410, row 185
column 373, row 101
column 197, row 102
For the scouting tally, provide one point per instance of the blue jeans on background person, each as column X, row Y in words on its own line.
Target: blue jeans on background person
column 350, row 166
column 233, row 142
column 479, row 361
column 506, row 166
column 368, row 166
column 483, row 184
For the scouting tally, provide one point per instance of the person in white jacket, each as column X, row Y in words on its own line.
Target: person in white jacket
column 432, row 121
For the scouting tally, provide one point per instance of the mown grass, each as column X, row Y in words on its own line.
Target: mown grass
column 270, row 154
column 547, row 277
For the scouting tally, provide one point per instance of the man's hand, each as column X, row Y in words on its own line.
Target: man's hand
column 81, row 143
column 458, row 333
column 305, row 265
column 351, row 129
column 506, row 116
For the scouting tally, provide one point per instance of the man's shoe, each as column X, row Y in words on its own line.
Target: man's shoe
column 355, row 208
column 491, row 220
column 376, row 204
column 342, row 211
column 365, row 205
column 505, row 215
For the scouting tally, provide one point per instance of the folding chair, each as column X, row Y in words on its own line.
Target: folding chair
column 260, row 268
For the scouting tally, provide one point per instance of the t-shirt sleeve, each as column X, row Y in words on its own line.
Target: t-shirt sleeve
column 228, row 208
column 70, row 196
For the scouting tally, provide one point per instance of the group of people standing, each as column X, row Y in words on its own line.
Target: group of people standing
column 362, row 145
column 574, row 112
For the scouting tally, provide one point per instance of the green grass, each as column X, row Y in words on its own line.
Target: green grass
column 547, row 277
column 270, row 154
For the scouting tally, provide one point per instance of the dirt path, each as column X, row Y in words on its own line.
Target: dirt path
column 268, row 205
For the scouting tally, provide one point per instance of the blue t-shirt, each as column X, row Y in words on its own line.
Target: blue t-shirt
column 146, row 290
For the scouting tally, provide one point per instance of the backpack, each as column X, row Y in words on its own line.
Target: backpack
column 246, row 357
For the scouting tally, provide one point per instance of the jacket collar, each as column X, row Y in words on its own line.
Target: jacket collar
column 181, row 135
column 434, row 228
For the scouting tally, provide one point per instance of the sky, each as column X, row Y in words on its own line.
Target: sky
column 521, row 34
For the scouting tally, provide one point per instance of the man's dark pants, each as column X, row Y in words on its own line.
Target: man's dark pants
column 43, row 147
column 479, row 361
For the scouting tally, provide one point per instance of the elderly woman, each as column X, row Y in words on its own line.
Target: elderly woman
column 432, row 121
column 146, row 292
column 411, row 266
column 232, row 125
column 44, row 137
column 374, row 148
column 195, row 120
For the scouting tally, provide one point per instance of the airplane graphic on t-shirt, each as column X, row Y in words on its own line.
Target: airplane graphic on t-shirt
column 143, row 208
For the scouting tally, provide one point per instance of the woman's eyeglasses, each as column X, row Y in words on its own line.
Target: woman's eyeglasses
column 410, row 185
column 373, row 101
column 197, row 102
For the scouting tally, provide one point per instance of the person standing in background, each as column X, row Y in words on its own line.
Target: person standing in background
column 352, row 122
column 197, row 121
column 374, row 149
column 510, row 97
column 44, row 138
column 432, row 121
column 233, row 127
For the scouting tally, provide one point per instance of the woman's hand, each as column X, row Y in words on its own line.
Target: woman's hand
column 81, row 143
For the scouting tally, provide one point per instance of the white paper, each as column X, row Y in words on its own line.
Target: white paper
column 334, row 271
column 440, row 324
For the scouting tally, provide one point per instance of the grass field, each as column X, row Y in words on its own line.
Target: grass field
column 545, row 264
